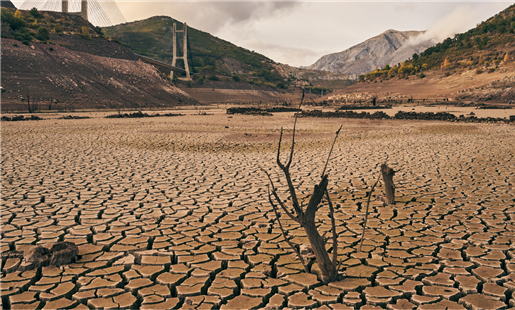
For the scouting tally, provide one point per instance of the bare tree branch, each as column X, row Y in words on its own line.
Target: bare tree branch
column 333, row 224
column 286, row 171
column 366, row 212
column 316, row 197
column 331, row 151
column 284, row 233
column 278, row 199
column 294, row 130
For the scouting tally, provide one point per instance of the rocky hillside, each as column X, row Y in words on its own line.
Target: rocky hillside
column 66, row 69
column 7, row 4
column 388, row 48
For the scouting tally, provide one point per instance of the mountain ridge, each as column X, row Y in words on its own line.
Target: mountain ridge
column 387, row 48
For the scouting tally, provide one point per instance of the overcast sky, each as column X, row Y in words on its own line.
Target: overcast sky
column 299, row 32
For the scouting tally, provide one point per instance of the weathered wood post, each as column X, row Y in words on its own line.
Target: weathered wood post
column 388, row 173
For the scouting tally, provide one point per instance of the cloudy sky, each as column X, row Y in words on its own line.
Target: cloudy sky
column 300, row 32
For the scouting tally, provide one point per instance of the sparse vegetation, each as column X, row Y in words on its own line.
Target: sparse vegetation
column 140, row 114
column 20, row 118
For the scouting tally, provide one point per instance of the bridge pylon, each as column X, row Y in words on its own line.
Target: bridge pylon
column 184, row 56
column 83, row 8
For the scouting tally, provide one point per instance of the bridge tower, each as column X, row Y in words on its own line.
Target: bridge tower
column 83, row 8
column 184, row 56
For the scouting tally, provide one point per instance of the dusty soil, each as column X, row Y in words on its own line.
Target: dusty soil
column 231, row 92
column 80, row 80
column 173, row 212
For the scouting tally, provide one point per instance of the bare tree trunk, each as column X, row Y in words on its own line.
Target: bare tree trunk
column 388, row 173
column 327, row 267
column 306, row 217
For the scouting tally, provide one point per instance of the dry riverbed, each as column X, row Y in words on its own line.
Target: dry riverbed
column 173, row 212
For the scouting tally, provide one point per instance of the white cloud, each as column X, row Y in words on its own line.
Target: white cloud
column 460, row 19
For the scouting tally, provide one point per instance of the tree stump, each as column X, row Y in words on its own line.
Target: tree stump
column 388, row 173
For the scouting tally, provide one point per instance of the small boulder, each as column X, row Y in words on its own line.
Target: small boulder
column 34, row 257
column 63, row 253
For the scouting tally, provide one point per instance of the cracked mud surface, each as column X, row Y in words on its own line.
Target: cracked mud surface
column 173, row 213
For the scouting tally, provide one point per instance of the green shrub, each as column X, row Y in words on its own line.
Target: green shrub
column 12, row 19
column 58, row 29
column 213, row 78
column 51, row 49
column 35, row 13
column 25, row 42
column 15, row 45
column 43, row 34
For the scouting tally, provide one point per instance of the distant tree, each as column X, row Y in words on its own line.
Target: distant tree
column 415, row 57
column 31, row 100
column 35, row 13
column 17, row 14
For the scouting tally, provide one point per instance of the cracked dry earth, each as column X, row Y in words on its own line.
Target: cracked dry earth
column 173, row 213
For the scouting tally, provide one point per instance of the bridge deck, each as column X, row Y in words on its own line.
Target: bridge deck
column 160, row 63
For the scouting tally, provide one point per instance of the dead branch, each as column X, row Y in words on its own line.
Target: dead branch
column 366, row 212
column 284, row 233
column 333, row 226
column 331, row 151
column 307, row 218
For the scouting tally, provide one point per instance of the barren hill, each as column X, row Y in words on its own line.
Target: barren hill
column 388, row 48
column 76, row 72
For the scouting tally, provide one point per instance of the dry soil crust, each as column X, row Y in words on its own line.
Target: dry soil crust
column 173, row 212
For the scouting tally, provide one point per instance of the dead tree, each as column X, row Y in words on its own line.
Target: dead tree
column 389, row 188
column 305, row 215
column 31, row 101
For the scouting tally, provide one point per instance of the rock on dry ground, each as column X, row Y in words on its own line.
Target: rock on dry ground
column 173, row 213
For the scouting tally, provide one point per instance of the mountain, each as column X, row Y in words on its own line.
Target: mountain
column 61, row 58
column 477, row 66
column 388, row 48
column 7, row 4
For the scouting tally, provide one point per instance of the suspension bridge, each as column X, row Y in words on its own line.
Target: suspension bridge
column 106, row 13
